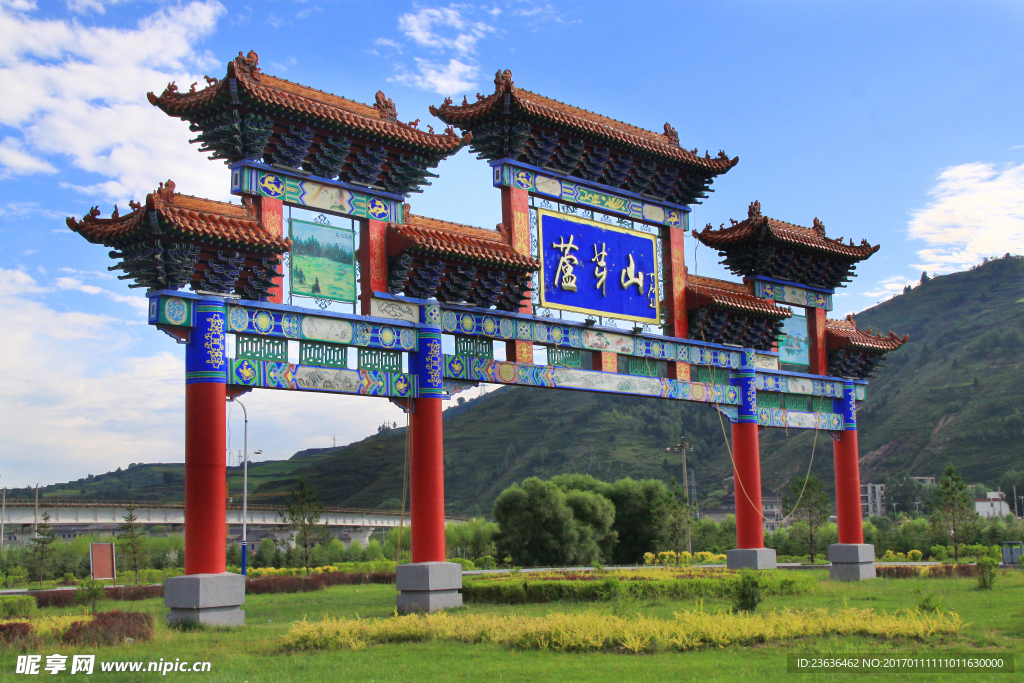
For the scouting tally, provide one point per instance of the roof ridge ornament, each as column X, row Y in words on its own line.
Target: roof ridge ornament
column 818, row 227
column 385, row 106
column 251, row 63
column 166, row 191
column 671, row 133
column 502, row 82
column 754, row 210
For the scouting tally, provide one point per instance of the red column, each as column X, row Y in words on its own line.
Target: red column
column 271, row 212
column 676, row 320
column 746, row 453
column 427, row 482
column 373, row 261
column 848, row 507
column 816, row 335
column 515, row 217
column 605, row 361
column 205, row 505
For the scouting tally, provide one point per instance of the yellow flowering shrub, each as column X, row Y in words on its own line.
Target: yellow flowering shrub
column 51, row 626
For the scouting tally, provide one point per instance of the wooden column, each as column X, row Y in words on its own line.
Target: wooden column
column 746, row 454
column 271, row 213
column 847, row 463
column 515, row 216
column 816, row 336
column 426, row 476
column 676, row 320
column 605, row 361
column 373, row 261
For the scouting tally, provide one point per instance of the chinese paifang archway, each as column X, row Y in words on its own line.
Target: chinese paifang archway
column 594, row 213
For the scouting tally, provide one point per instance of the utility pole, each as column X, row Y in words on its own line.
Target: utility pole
column 682, row 447
column 1015, row 502
column 35, row 522
column 3, row 514
column 894, row 512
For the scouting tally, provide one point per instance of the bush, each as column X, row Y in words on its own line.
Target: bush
column 939, row 553
column 134, row 592
column 485, row 562
column 285, row 584
column 467, row 565
column 15, row 632
column 915, row 555
column 897, row 571
column 15, row 606
column 110, row 628
column 61, row 598
column 748, row 592
column 986, row 573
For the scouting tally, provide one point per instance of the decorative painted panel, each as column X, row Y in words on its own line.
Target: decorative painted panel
column 399, row 310
column 376, row 359
column 502, row 372
column 473, row 346
column 260, row 348
column 598, row 269
column 170, row 310
column 323, row 262
column 795, row 419
column 790, row 294
column 579, row 191
column 337, row 198
column 799, row 385
column 323, row 355
column 566, row 358
column 363, row 382
column 274, row 323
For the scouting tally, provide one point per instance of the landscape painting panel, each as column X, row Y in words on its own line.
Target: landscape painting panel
column 322, row 261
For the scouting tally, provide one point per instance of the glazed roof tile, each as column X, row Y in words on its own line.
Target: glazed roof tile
column 195, row 217
column 735, row 296
column 378, row 119
column 545, row 108
column 434, row 236
column 844, row 333
column 756, row 227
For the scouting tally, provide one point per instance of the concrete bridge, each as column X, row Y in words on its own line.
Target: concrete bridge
column 72, row 518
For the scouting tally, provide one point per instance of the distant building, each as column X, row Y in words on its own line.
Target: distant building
column 992, row 505
column 924, row 481
column 771, row 508
column 872, row 499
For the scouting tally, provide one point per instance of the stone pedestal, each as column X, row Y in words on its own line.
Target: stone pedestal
column 851, row 561
column 212, row 599
column 750, row 558
column 428, row 586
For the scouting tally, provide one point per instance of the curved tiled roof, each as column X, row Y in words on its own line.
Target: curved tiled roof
column 441, row 238
column 702, row 291
column 200, row 219
column 758, row 227
column 332, row 110
column 662, row 144
column 844, row 333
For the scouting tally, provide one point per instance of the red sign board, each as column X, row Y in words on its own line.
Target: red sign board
column 101, row 561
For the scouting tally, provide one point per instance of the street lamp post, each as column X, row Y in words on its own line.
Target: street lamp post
column 682, row 447
column 245, row 483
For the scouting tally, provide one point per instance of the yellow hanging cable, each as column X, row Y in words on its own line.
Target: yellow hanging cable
column 405, row 488
column 808, row 476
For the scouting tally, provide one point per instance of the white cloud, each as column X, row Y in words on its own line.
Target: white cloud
column 977, row 210
column 890, row 286
column 79, row 92
column 444, row 79
column 30, row 209
column 443, row 28
column 69, row 283
column 19, row 5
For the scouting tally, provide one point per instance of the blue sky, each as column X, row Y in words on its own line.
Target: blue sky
column 898, row 122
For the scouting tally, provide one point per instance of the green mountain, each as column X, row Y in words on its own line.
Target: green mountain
column 953, row 394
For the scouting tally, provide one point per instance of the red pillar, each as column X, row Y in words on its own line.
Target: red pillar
column 746, row 453
column 676, row 320
column 205, row 505
column 515, row 217
column 271, row 213
column 427, row 482
column 847, row 464
column 816, row 334
column 373, row 261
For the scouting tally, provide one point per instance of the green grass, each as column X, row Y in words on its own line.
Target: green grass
column 995, row 621
column 336, row 281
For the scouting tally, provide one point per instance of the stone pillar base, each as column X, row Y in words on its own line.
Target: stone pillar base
column 428, row 586
column 750, row 558
column 211, row 599
column 851, row 561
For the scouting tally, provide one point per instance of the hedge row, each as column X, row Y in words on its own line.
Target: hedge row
column 67, row 598
column 937, row 571
column 313, row 582
column 590, row 588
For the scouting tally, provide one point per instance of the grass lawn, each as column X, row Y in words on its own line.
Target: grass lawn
column 995, row 623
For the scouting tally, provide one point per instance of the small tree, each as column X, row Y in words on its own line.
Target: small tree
column 45, row 537
column 89, row 593
column 953, row 509
column 680, row 515
column 132, row 539
column 303, row 516
column 812, row 507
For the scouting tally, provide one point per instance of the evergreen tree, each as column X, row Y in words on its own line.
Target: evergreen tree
column 813, row 507
column 303, row 516
column 45, row 537
column 131, row 539
column 953, row 509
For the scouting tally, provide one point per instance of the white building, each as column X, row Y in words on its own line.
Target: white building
column 872, row 500
column 924, row 481
column 992, row 505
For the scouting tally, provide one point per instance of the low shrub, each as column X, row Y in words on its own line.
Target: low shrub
column 937, row 571
column 485, row 562
column 47, row 627
column 467, row 565
column 55, row 598
column 748, row 592
column 13, row 606
column 540, row 587
column 15, row 632
column 986, row 572
column 284, row 584
column 915, row 555
column 939, row 553
column 134, row 592
column 592, row 632
column 110, row 628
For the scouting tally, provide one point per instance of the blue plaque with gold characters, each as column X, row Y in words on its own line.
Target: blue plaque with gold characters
column 597, row 268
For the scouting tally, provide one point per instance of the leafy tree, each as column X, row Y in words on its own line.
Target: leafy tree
column 536, row 525
column 45, row 537
column 594, row 515
column 89, row 593
column 813, row 507
column 131, row 540
column 303, row 516
column 679, row 518
column 953, row 509
column 168, row 477
column 641, row 517
column 398, row 544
